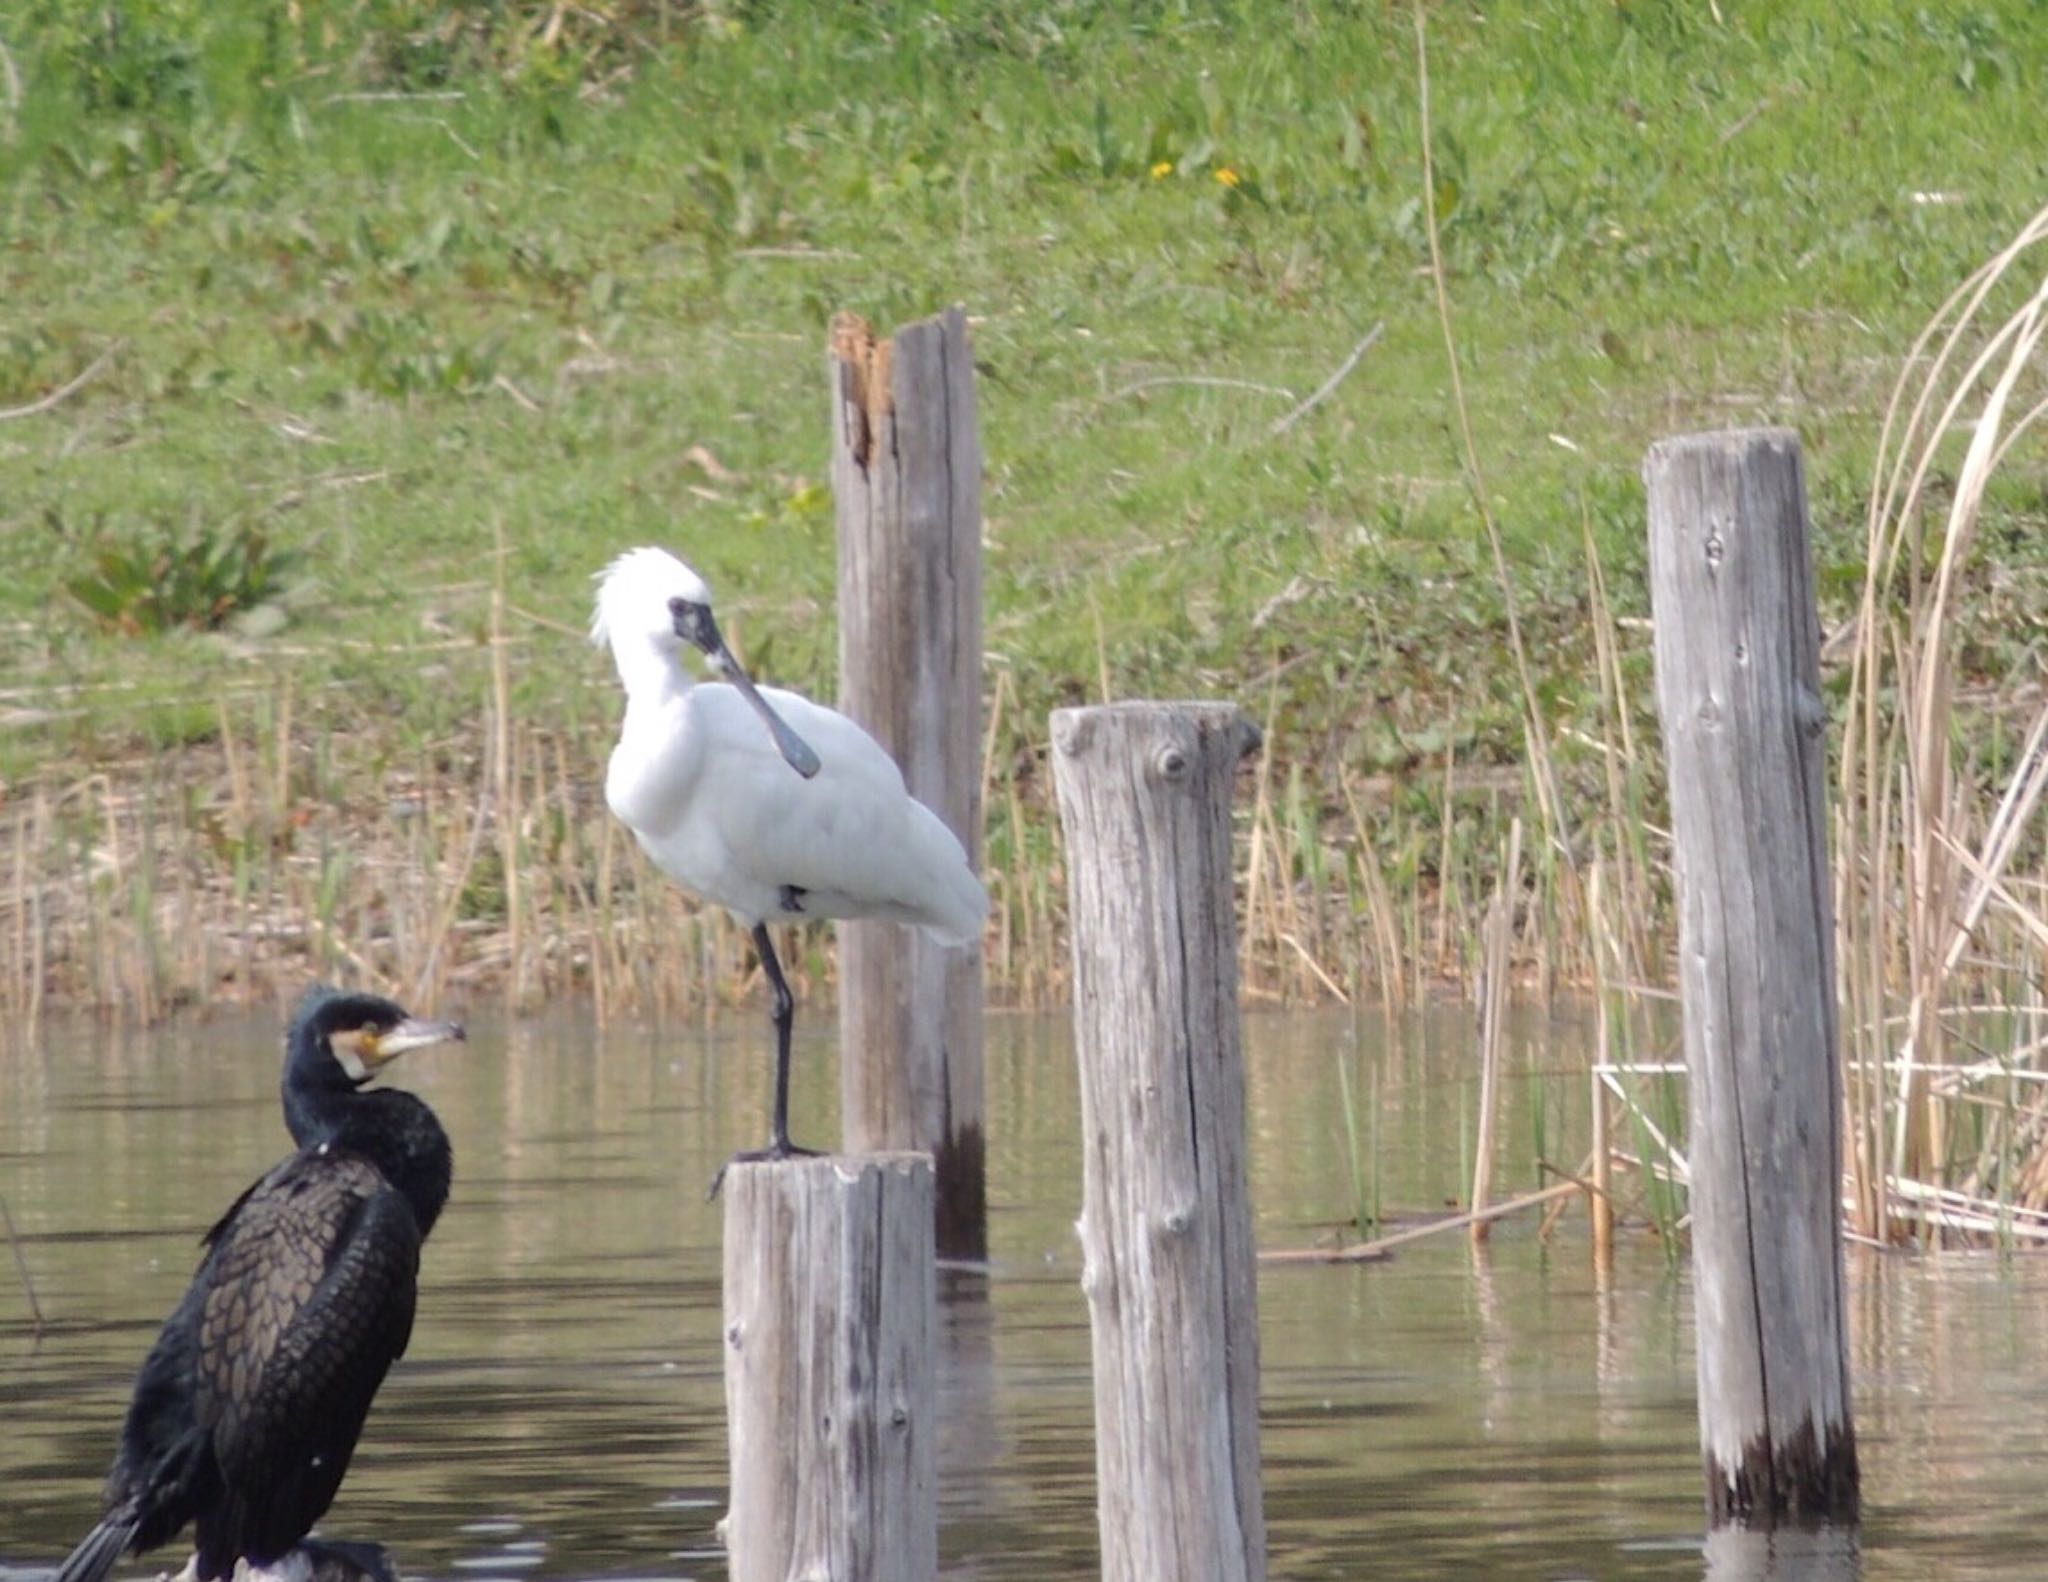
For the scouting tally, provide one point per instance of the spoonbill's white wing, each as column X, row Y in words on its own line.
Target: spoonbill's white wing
column 703, row 786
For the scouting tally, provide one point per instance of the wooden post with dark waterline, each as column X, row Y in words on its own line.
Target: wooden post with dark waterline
column 829, row 1300
column 1738, row 689
column 906, row 477
column 1168, row 1263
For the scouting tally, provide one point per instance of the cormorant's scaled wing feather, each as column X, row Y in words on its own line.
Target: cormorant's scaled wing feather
column 310, row 1300
column 219, row 1227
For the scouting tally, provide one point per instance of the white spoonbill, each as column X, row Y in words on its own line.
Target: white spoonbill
column 807, row 818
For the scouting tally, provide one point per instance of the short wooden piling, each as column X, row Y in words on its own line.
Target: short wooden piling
column 1166, row 1239
column 1738, row 687
column 829, row 1292
column 906, row 478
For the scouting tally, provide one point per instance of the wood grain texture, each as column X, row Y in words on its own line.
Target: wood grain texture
column 1169, row 1268
column 906, row 478
column 830, row 1405
column 1738, row 688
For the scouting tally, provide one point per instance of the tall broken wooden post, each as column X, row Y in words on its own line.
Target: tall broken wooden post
column 1738, row 686
column 1166, row 1228
column 829, row 1397
column 906, row 475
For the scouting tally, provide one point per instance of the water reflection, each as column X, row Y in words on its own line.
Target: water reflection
column 1735, row 1554
column 561, row 1411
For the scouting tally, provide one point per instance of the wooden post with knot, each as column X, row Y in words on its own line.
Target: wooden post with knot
column 830, row 1404
column 906, row 479
column 1738, row 690
column 1169, row 1267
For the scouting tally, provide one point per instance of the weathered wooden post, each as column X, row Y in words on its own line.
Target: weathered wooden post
column 906, row 476
column 1166, row 1228
column 1738, row 686
column 829, row 1282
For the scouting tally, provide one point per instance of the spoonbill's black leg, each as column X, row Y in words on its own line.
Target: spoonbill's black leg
column 783, row 1014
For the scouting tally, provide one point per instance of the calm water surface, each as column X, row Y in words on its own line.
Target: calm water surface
column 560, row 1412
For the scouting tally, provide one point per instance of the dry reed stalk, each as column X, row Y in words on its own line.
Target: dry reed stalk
column 1621, row 768
column 1316, row 969
column 428, row 974
column 1299, row 854
column 1536, row 937
column 1281, row 922
column 1536, row 736
column 587, row 919
column 1600, row 1200
column 1380, row 1246
column 21, row 981
column 192, row 938
column 504, row 780
column 1500, row 924
column 1058, row 962
column 282, row 799
column 639, row 929
column 545, row 902
column 2001, row 841
column 340, row 945
column 1351, row 948
column 1443, row 862
column 989, row 738
column 1023, row 882
column 1002, row 969
column 1412, row 914
column 1581, row 1178
column 1261, row 924
column 1386, row 947
column 28, row 1284
column 1944, row 1209
column 238, row 784
column 617, row 973
column 2016, row 1134
column 1908, row 803
column 141, row 906
column 998, row 884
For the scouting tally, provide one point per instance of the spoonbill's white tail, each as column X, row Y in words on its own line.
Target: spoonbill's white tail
column 955, row 906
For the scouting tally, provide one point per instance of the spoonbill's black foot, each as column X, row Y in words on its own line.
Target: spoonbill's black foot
column 785, row 1149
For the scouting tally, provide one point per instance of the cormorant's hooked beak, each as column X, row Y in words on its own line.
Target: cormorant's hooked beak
column 415, row 1032
column 363, row 1051
column 695, row 626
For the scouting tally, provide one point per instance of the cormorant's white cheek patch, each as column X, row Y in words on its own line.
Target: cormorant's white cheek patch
column 347, row 1049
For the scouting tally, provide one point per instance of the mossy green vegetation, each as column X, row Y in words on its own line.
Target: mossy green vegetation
column 388, row 285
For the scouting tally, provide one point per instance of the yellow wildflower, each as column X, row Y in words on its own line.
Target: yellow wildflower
column 1162, row 170
column 1228, row 177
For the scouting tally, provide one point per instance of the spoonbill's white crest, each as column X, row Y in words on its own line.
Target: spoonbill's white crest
column 805, row 818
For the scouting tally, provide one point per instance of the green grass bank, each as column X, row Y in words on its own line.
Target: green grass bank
column 401, row 318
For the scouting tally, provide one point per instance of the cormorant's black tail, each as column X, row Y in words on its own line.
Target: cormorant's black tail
column 94, row 1558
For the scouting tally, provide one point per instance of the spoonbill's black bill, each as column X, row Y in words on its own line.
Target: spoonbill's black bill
column 696, row 626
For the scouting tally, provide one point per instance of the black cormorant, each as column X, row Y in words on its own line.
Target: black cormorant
column 247, row 1410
